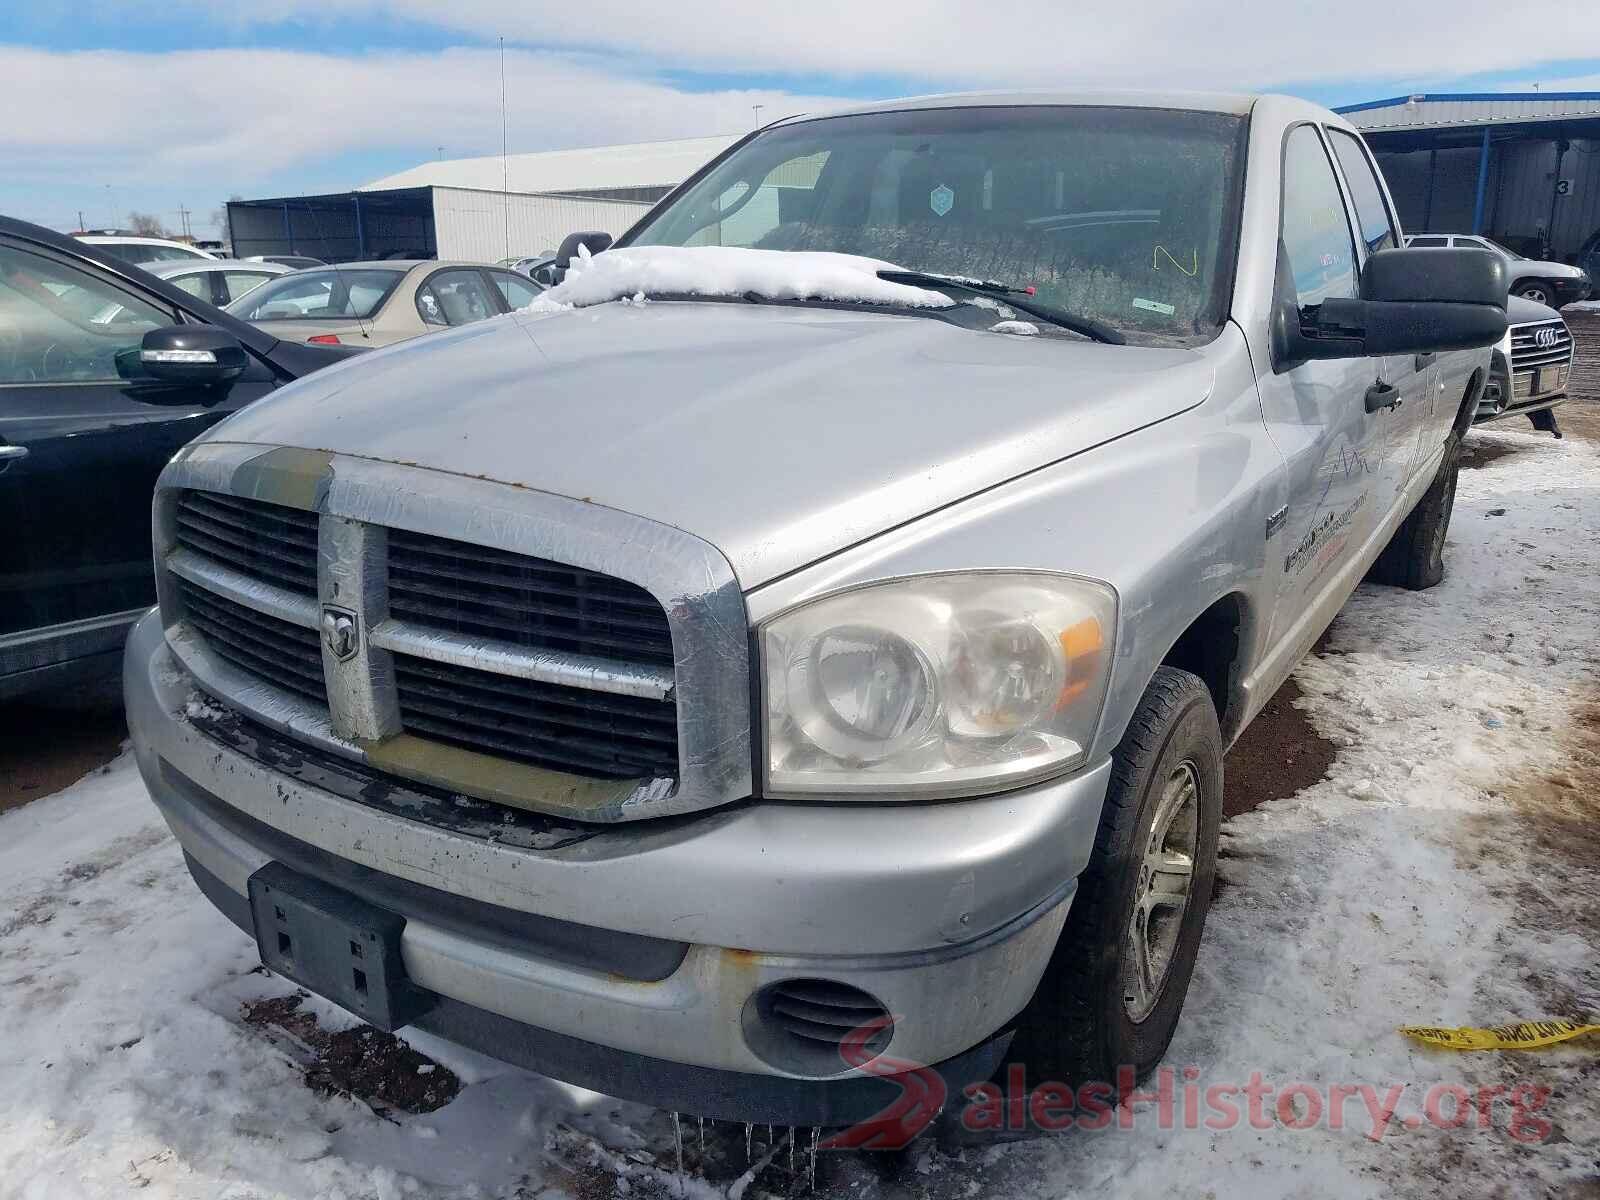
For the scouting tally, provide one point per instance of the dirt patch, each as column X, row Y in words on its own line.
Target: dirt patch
column 1477, row 453
column 1548, row 836
column 365, row 1063
column 1279, row 754
column 49, row 743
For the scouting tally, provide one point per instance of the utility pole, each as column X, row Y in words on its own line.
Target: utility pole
column 757, row 109
column 183, row 218
column 80, row 218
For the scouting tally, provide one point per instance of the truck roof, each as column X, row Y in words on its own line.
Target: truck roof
column 1236, row 104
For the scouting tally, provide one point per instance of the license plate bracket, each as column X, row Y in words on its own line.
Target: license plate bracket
column 334, row 944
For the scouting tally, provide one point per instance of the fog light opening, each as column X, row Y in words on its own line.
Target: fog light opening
column 816, row 1027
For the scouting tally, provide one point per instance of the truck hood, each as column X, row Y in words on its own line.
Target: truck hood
column 780, row 434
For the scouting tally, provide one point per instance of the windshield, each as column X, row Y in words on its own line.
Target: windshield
column 1494, row 245
column 318, row 295
column 1125, row 215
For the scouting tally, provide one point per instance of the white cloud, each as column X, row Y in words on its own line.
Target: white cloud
column 1245, row 44
column 221, row 118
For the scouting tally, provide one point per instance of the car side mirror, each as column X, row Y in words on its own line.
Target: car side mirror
column 196, row 355
column 593, row 241
column 1412, row 302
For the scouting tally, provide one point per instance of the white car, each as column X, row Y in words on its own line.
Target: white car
column 1548, row 283
column 142, row 251
column 220, row 281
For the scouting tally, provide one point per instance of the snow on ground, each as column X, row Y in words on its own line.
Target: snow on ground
column 638, row 271
column 1444, row 872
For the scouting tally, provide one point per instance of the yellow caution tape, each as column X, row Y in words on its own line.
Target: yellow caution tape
column 1524, row 1035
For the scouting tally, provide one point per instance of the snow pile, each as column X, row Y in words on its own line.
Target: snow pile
column 1408, row 887
column 730, row 271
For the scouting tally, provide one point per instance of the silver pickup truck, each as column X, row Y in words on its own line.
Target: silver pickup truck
column 799, row 651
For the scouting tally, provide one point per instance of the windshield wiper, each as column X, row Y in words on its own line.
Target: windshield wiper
column 1088, row 326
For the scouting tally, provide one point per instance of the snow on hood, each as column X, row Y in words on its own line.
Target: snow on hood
column 730, row 271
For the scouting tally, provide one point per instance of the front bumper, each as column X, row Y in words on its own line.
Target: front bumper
column 627, row 960
column 1504, row 397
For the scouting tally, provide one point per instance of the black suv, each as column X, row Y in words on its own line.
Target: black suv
column 104, row 372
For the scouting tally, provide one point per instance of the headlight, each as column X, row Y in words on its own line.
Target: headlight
column 937, row 685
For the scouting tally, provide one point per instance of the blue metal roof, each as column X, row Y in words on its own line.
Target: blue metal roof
column 1424, row 98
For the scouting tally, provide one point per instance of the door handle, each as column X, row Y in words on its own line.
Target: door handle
column 1382, row 395
column 9, row 454
column 1424, row 361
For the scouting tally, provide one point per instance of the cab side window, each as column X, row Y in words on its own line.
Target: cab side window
column 1377, row 227
column 1315, row 232
column 62, row 325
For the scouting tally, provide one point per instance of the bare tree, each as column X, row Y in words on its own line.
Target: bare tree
column 219, row 218
column 146, row 224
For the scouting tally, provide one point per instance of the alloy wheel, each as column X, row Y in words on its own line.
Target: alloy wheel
column 1161, row 892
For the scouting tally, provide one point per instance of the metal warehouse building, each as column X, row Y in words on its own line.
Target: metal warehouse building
column 1521, row 167
column 474, row 208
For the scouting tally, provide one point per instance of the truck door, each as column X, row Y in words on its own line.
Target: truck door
column 1413, row 376
column 1341, row 460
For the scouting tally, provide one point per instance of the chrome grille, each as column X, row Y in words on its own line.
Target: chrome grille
column 1540, row 344
column 415, row 613
column 269, row 543
column 286, row 655
column 560, row 728
column 479, row 591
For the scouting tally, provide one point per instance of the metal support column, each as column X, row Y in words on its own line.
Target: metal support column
column 1483, row 183
column 1433, row 173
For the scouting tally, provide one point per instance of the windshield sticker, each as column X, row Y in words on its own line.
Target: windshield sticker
column 941, row 200
column 1155, row 306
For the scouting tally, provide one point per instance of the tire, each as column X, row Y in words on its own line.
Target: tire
column 1414, row 557
column 1536, row 290
column 1086, row 1022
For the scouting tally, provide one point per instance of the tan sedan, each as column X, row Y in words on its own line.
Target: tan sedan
column 378, row 303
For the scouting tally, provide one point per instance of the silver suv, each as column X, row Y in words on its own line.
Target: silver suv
column 794, row 659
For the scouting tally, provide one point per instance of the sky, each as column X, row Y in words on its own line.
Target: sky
column 171, row 106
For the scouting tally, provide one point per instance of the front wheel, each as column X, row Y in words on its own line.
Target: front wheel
column 1112, row 992
column 1536, row 290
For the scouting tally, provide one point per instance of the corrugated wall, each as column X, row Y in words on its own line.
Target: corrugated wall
column 326, row 227
column 1517, row 202
column 473, row 225
column 1523, row 200
column 1455, row 184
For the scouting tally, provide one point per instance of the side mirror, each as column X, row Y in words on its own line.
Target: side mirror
column 1412, row 302
column 197, row 355
column 594, row 242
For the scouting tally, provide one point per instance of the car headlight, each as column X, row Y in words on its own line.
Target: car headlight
column 936, row 685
